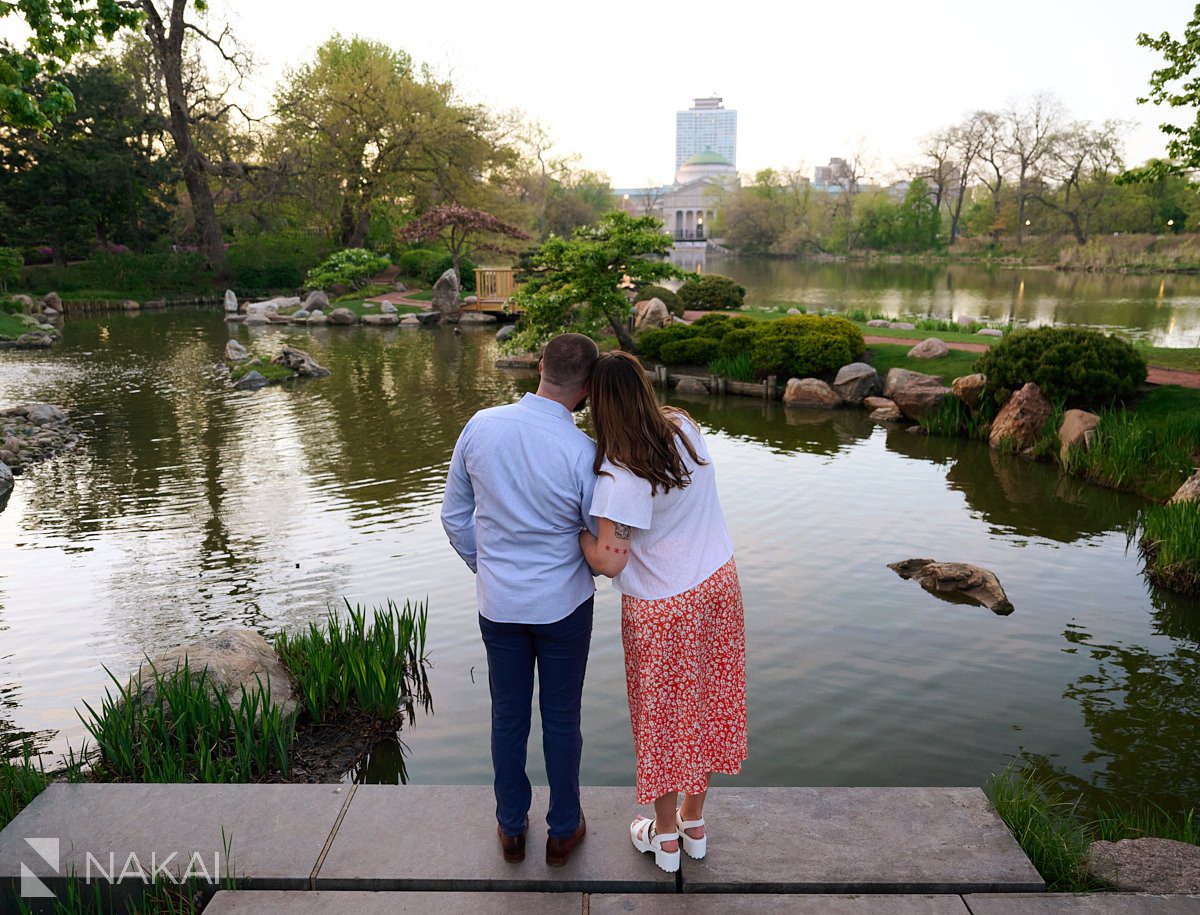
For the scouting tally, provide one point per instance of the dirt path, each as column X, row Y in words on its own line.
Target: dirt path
column 1156, row 375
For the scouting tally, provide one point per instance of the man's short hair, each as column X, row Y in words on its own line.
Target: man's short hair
column 568, row 360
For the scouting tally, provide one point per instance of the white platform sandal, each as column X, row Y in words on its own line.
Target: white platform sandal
column 645, row 839
column 695, row 848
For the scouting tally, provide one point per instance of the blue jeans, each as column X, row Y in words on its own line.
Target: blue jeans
column 560, row 652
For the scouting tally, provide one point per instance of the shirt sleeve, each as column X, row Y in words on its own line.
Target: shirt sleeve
column 458, row 504
column 587, row 486
column 623, row 498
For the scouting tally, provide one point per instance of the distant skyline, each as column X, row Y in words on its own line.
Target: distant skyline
column 607, row 81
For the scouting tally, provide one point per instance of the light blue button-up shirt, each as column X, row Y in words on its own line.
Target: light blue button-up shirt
column 517, row 496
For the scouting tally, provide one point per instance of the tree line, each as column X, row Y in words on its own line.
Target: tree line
column 145, row 147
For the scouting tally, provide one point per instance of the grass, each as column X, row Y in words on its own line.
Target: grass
column 21, row 780
column 360, row 308
column 953, row 418
column 1055, row 835
column 184, row 729
column 353, row 664
column 1187, row 360
column 886, row 356
column 1150, row 449
column 271, row 371
column 1171, row 547
column 13, row 326
column 738, row 368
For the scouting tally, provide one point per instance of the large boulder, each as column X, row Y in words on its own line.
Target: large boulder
column 914, row 393
column 1150, row 865
column 1189, row 491
column 890, row 414
column 6, row 480
column 388, row 308
column 505, row 332
column 969, row 389
column 477, row 317
column 689, row 384
column 445, row 293
column 879, row 322
column 316, row 299
column 410, row 321
column 429, row 317
column 1021, row 420
column 856, row 382
column 257, row 317
column 956, row 580
column 317, row 317
column 251, row 381
column 231, row 302
column 990, row 332
column 52, row 300
column 381, row 320
column 902, row 325
column 931, row 348
column 25, row 301
column 235, row 659
column 650, row 313
column 810, row 392
column 235, row 352
column 343, row 316
column 1078, row 430
column 300, row 362
column 35, row 340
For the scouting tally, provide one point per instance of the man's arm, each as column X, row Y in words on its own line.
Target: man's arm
column 458, row 504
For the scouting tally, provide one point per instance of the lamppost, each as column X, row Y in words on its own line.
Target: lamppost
column 625, row 203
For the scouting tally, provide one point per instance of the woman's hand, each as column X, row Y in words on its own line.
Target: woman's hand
column 607, row 554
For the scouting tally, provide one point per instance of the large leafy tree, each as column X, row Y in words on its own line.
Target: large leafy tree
column 456, row 227
column 98, row 175
column 575, row 282
column 363, row 129
column 1176, row 84
column 30, row 94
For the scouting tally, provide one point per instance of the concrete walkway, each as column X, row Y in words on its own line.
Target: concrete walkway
column 368, row 848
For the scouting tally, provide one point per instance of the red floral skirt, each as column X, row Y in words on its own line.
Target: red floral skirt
column 685, row 670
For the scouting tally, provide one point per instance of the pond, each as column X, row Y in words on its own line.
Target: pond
column 1163, row 309
column 192, row 507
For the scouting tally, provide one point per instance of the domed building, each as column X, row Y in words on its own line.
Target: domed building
column 690, row 207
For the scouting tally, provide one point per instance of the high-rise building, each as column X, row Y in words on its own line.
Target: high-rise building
column 706, row 127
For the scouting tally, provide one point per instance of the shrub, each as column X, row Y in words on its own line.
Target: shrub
column 348, row 267
column 710, row 292
column 719, row 325
column 803, row 346
column 11, row 262
column 664, row 295
column 1072, row 366
column 415, row 263
column 10, row 307
column 651, row 342
column 739, row 367
column 693, row 351
column 261, row 263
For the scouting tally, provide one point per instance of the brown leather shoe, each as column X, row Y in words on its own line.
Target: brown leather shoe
column 558, row 851
column 513, row 847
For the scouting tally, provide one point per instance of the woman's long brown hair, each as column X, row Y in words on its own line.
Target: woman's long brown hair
column 632, row 429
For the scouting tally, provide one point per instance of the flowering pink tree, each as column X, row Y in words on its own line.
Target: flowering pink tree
column 455, row 225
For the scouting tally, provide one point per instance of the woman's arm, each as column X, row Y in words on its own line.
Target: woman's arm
column 608, row 553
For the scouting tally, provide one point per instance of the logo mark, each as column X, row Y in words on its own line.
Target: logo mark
column 32, row 886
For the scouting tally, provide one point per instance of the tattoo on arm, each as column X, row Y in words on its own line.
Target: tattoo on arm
column 622, row 531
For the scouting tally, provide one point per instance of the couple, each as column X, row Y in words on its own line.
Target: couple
column 536, row 509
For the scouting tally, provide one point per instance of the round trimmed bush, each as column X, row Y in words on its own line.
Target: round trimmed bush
column 804, row 346
column 740, row 341
column 692, row 351
column 650, row 342
column 664, row 295
column 1072, row 366
column 711, row 292
column 719, row 325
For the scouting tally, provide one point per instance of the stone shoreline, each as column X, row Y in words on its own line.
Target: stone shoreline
column 34, row 433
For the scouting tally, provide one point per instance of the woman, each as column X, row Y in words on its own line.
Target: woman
column 663, row 539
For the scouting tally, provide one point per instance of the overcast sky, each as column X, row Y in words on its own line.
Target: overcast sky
column 807, row 80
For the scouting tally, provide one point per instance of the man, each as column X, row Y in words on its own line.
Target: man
column 517, row 495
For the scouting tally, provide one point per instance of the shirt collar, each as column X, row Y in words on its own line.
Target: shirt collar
column 547, row 406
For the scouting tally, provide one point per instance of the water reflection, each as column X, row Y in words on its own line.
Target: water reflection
column 1162, row 308
column 1142, row 708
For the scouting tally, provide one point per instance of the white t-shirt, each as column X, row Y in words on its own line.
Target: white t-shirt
column 679, row 537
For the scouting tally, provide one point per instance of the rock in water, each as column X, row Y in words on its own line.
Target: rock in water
column 1020, row 421
column 300, row 362
column 381, row 320
column 969, row 389
column 235, row 352
column 931, row 348
column 505, row 332
column 914, row 393
column 251, row 380
column 1149, row 865
column 1078, row 430
column 1189, row 491
column 810, row 392
column 6, row 480
column 445, row 293
column 856, row 382
column 951, row 580
column 650, row 313
column 231, row 302
column 410, row 321
column 689, row 384
column 476, row 317
column 35, row 340
column 342, row 316
column 235, row 659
